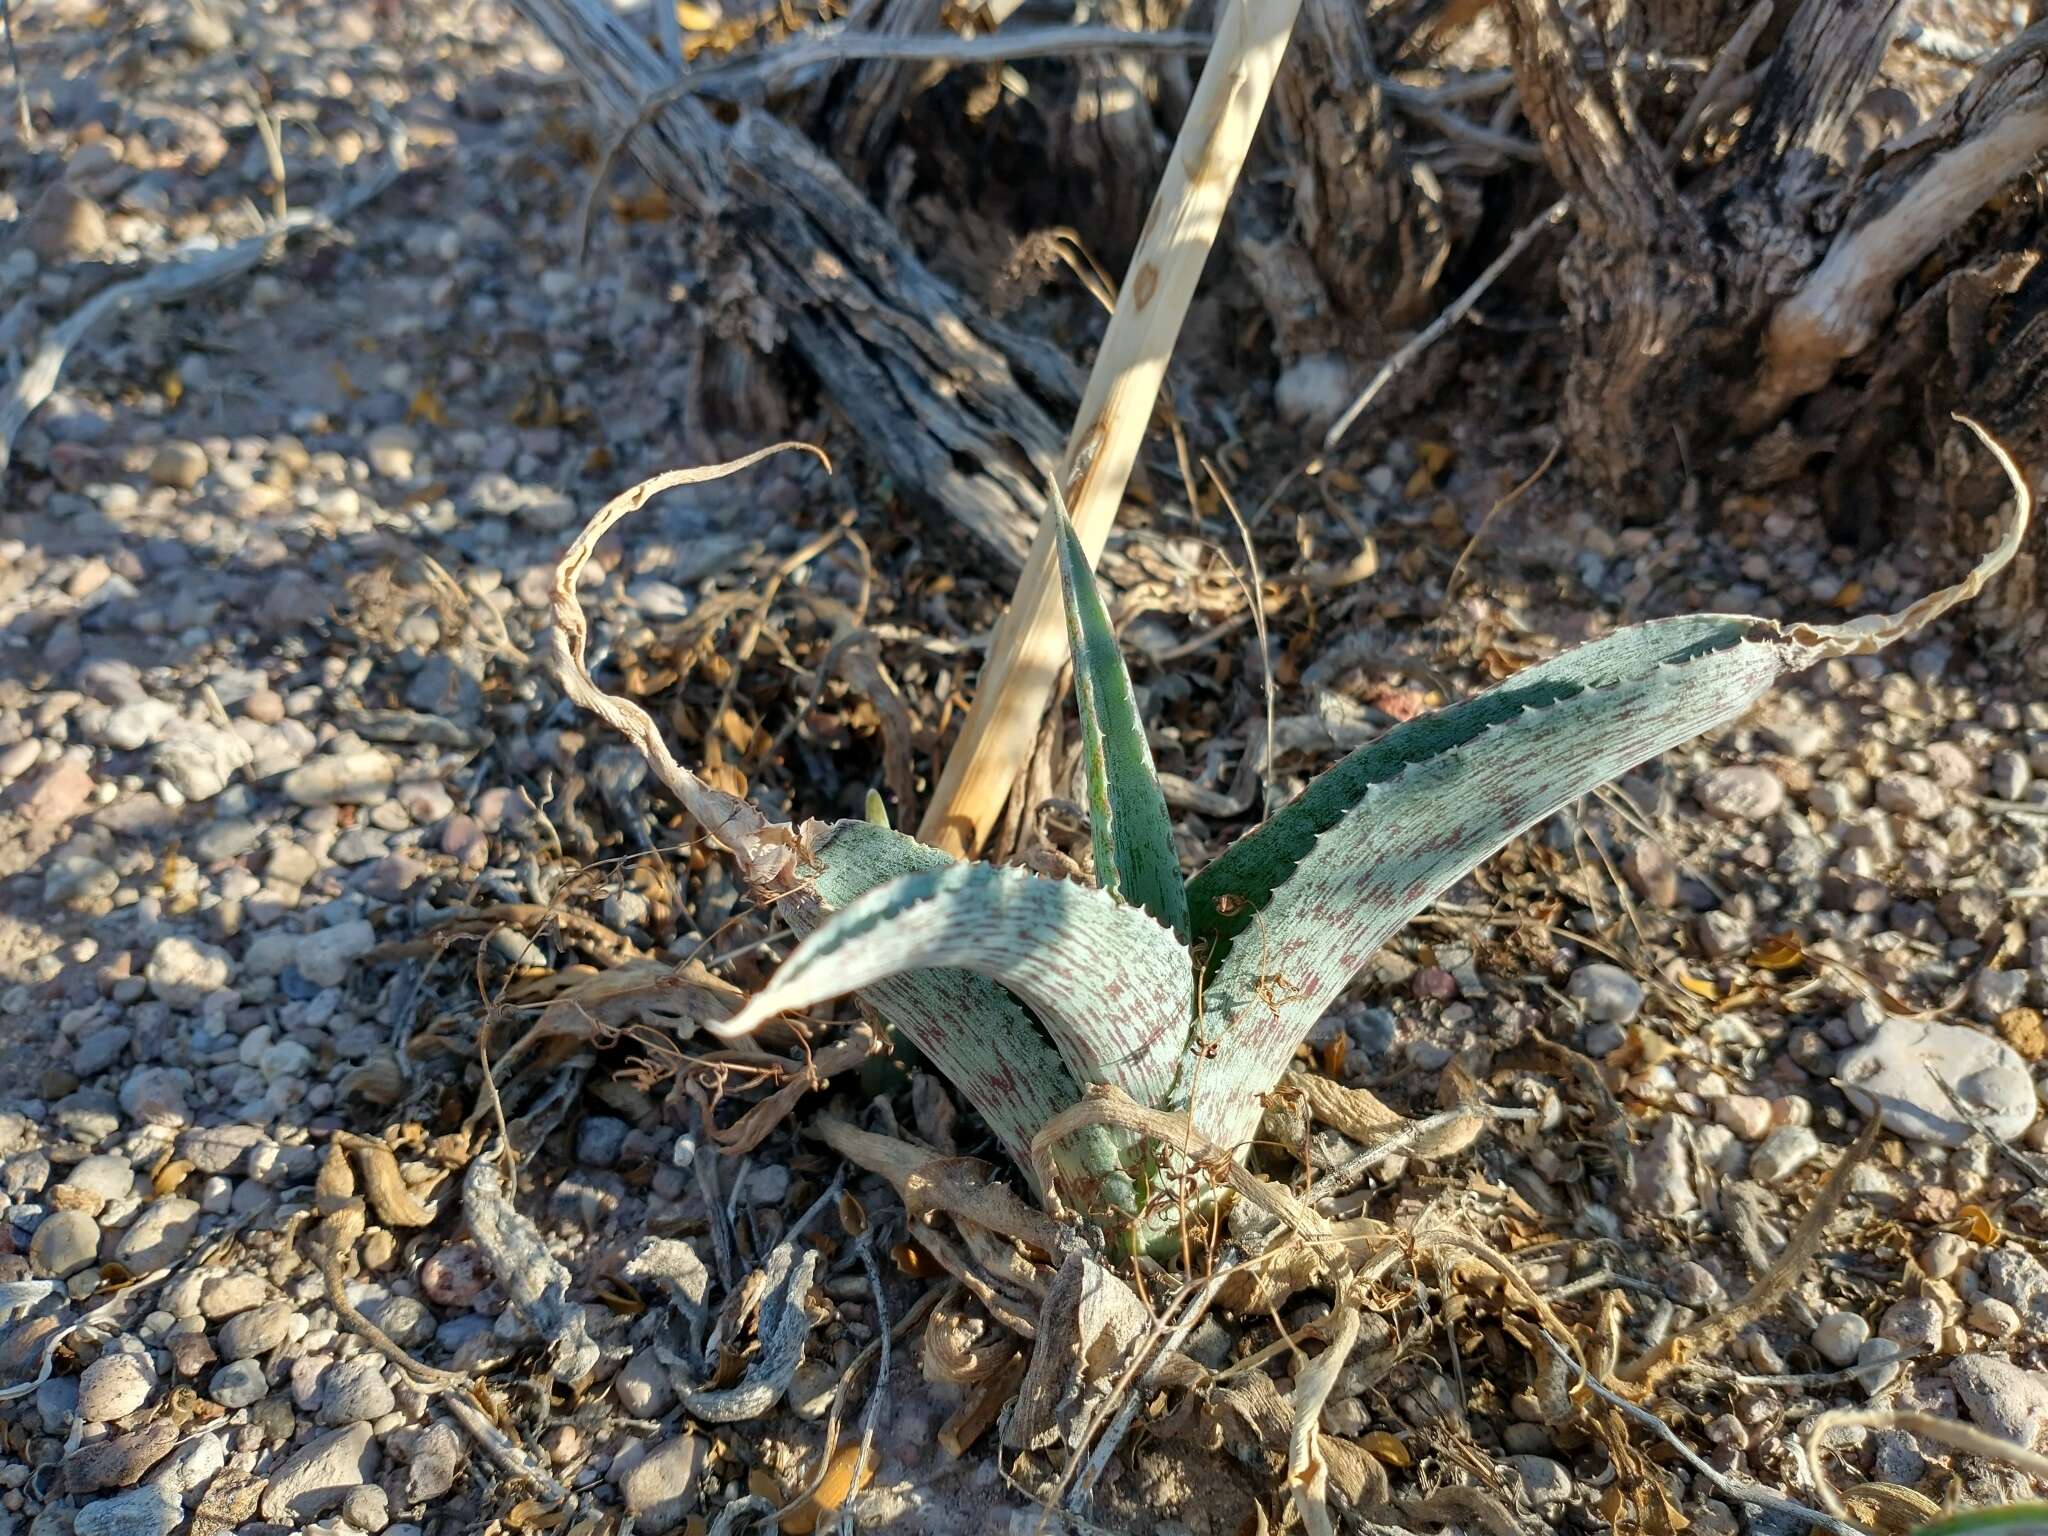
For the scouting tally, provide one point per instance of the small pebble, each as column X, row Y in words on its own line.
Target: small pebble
column 1838, row 1337
column 65, row 1243
column 237, row 1384
column 1784, row 1152
column 178, row 463
column 1608, row 994
column 1741, row 794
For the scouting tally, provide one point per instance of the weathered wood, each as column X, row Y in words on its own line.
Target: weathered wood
column 1634, row 280
column 1346, row 256
column 958, row 407
column 1705, row 302
column 1918, row 196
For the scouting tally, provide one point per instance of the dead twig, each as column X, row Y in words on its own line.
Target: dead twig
column 1405, row 355
column 1964, row 1437
column 1771, row 1287
column 1740, row 1489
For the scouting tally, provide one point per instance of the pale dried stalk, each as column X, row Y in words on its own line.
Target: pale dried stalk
column 734, row 824
column 1031, row 642
column 1308, row 1474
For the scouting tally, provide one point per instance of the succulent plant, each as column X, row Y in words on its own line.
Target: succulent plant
column 1191, row 996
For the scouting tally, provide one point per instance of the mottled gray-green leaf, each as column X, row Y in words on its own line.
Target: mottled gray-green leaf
column 981, row 1038
column 1112, row 987
column 1308, row 898
column 1135, row 857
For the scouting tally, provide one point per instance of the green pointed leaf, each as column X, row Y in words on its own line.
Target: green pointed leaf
column 1113, row 989
column 1134, row 854
column 1293, row 911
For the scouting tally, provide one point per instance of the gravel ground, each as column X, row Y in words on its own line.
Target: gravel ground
column 287, row 815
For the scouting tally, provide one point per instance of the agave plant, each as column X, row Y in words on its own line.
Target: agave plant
column 1191, row 995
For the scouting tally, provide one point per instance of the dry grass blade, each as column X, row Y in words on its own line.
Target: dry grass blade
column 1029, row 647
column 1255, row 590
column 1308, row 1474
column 1453, row 312
column 731, row 821
column 1770, row 1288
column 1964, row 1437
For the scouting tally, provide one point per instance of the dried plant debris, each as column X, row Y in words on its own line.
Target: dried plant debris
column 533, row 1280
column 784, row 1324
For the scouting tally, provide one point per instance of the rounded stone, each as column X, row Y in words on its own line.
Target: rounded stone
column 178, row 463
column 158, row 1237
column 114, row 1386
column 1607, row 993
column 1838, row 1336
column 65, row 1243
column 1784, row 1152
column 1741, row 793
column 367, row 1508
column 238, row 1384
column 181, row 971
column 256, row 1332
column 352, row 1392
column 230, row 1295
column 1906, row 1071
column 660, row 1487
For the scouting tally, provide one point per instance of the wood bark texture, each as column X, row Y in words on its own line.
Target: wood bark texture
column 1346, row 253
column 960, row 408
column 1727, row 312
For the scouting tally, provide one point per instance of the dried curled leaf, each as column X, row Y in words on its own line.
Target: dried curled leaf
column 389, row 1195
column 533, row 1280
column 959, row 1350
column 762, row 849
column 1308, row 1474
